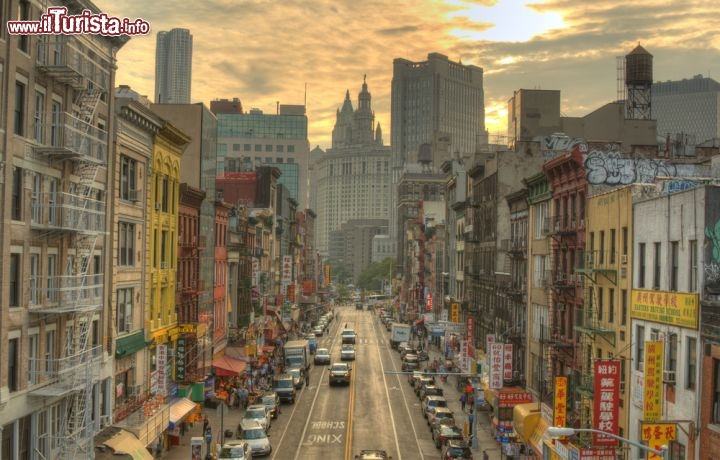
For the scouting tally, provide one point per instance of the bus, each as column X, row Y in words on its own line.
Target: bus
column 375, row 299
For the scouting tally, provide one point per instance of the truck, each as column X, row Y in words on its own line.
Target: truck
column 399, row 332
column 297, row 354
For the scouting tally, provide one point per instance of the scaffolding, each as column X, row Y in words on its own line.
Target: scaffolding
column 74, row 215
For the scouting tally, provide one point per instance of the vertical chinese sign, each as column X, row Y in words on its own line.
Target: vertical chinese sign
column 560, row 409
column 429, row 301
column 652, row 402
column 160, row 363
column 496, row 359
column 657, row 435
column 180, row 360
column 470, row 334
column 507, row 361
column 607, row 391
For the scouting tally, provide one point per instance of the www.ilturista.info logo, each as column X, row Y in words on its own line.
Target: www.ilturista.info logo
column 57, row 21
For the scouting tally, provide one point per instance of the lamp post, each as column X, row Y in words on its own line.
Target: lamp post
column 555, row 431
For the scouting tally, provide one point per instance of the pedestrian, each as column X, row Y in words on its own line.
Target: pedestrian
column 463, row 400
column 307, row 378
column 206, row 424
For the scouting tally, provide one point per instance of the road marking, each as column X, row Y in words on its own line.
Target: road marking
column 394, row 388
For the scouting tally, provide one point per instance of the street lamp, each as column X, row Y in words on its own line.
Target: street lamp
column 555, row 431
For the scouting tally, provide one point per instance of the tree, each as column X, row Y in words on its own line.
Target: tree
column 373, row 277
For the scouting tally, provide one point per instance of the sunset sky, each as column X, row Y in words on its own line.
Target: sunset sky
column 264, row 51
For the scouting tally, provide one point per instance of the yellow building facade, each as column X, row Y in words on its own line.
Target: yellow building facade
column 160, row 316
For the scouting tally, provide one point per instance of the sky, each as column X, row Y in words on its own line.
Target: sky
column 265, row 51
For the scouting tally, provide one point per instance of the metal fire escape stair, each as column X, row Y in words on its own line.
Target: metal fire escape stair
column 80, row 287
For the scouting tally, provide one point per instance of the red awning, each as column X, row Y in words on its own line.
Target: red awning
column 226, row 366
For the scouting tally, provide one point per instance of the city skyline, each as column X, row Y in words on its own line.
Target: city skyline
column 327, row 48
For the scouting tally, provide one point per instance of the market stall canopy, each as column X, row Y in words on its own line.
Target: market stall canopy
column 178, row 410
column 226, row 366
column 124, row 442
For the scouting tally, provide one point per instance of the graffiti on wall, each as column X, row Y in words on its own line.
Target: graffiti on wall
column 559, row 143
column 610, row 168
column 712, row 269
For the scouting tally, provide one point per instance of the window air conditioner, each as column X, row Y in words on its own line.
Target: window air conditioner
column 623, row 259
column 669, row 377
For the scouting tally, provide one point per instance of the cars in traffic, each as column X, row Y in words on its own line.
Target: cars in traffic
column 298, row 376
column 347, row 352
column 322, row 356
column 339, row 373
column 271, row 401
column 256, row 437
column 348, row 336
column 373, row 454
column 284, row 387
column 456, row 450
column 235, row 450
column 257, row 413
column 312, row 342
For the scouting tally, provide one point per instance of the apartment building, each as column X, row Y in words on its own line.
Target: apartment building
column 56, row 388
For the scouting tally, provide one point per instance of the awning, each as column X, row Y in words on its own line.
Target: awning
column 178, row 410
column 125, row 442
column 525, row 420
column 130, row 344
column 539, row 436
column 227, row 367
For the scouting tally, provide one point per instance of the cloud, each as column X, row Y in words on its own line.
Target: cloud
column 262, row 51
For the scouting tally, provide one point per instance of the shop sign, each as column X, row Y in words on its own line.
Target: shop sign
column 286, row 270
column 513, row 398
column 470, row 335
column 507, row 361
column 180, row 359
column 560, row 409
column 592, row 453
column 652, row 397
column 160, row 364
column 607, row 390
column 671, row 308
column 496, row 359
column 561, row 449
column 657, row 435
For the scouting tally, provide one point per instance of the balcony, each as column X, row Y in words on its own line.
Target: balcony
column 60, row 376
column 74, row 293
column 61, row 58
column 73, row 138
column 67, row 212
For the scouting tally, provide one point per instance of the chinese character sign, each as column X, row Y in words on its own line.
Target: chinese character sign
column 657, row 435
column 507, row 361
column 652, row 397
column 286, row 270
column 160, row 363
column 180, row 359
column 607, row 390
column 470, row 336
column 560, row 410
column 496, row 365
column 455, row 312
column 429, row 301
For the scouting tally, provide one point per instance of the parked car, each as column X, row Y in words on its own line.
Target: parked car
column 318, row 331
column 424, row 380
column 257, row 413
column 439, row 413
column 322, row 356
column 430, row 402
column 430, row 390
column 456, row 450
column 256, row 437
column 412, row 378
column 347, row 353
column 235, row 450
column 445, row 431
column 339, row 373
column 284, row 386
column 410, row 363
column 271, row 400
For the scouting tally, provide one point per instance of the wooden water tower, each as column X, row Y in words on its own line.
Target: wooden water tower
column 638, row 80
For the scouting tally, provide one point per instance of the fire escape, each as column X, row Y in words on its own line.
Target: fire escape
column 515, row 289
column 73, row 215
column 594, row 266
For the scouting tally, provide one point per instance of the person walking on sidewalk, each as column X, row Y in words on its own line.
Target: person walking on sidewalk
column 463, row 400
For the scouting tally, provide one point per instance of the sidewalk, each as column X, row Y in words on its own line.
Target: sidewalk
column 484, row 447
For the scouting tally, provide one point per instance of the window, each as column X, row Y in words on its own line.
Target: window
column 236, row 147
column 716, row 392
column 600, row 302
column 39, row 119
column 51, row 273
column 291, row 149
column 639, row 348
column 17, row 191
column 677, row 451
column 674, row 260
column 611, row 305
column 268, row 147
column 601, row 256
column 641, row 265
column 623, row 307
column 33, row 344
column 55, row 126
column 693, row 263
column 35, row 198
column 672, row 353
column 24, row 15
column 258, row 148
column 656, row 266
column 13, row 357
column 124, row 310
column 126, row 244
column 541, row 220
column 128, row 179
column 34, row 279
column 290, row 160
column 691, row 355
column 279, row 148
column 49, row 350
column 612, row 246
column 165, row 193
column 19, row 115
column 624, row 241
column 247, row 147
column 15, row 280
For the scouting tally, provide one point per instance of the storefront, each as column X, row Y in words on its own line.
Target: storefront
column 503, row 402
column 179, row 411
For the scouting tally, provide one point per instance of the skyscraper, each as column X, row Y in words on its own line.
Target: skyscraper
column 173, row 67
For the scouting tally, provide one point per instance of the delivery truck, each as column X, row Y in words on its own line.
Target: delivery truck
column 399, row 332
column 297, row 354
